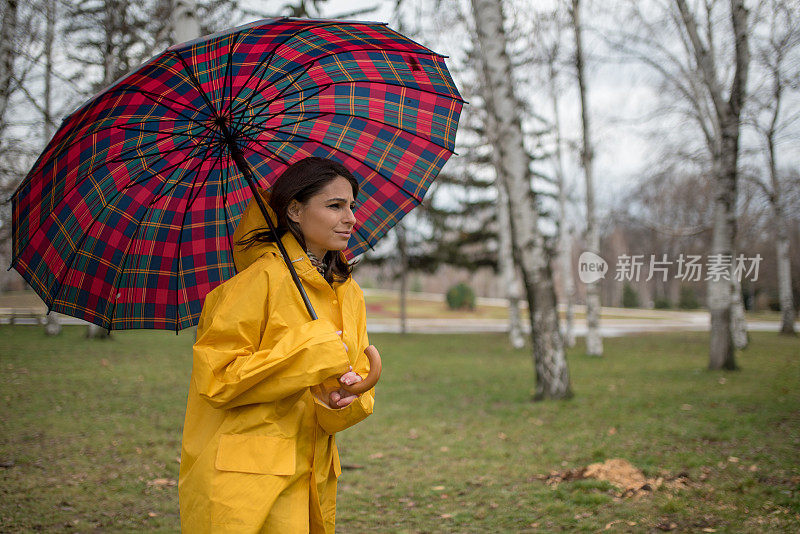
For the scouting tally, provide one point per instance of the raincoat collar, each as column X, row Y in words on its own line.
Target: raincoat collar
column 252, row 219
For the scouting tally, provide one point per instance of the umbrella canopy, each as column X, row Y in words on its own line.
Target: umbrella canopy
column 126, row 219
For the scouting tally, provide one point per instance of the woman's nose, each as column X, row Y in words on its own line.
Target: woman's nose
column 349, row 216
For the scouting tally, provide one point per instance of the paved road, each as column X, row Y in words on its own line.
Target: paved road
column 618, row 321
column 608, row 327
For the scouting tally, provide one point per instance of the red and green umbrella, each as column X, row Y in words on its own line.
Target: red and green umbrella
column 127, row 218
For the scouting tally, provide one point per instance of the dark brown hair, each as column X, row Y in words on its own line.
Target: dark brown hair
column 300, row 181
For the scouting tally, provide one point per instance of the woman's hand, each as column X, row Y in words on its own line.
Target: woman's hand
column 340, row 398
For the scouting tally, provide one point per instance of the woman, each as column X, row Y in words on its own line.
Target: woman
column 266, row 394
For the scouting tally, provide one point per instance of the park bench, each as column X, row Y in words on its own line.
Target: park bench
column 12, row 315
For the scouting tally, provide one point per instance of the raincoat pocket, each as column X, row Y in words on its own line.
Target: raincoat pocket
column 266, row 455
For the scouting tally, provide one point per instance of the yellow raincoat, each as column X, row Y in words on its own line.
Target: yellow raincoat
column 258, row 452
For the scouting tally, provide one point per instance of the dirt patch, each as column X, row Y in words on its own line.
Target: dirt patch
column 622, row 474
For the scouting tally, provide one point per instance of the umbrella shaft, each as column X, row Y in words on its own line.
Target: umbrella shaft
column 244, row 168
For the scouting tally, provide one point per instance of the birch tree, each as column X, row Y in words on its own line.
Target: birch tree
column 185, row 24
column 53, row 324
column 552, row 57
column 507, row 267
column 708, row 83
column 727, row 113
column 8, row 31
column 530, row 254
column 594, row 340
column 774, row 52
column 505, row 251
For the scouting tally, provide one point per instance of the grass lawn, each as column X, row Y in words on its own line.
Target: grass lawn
column 90, row 435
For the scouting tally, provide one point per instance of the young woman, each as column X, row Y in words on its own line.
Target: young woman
column 267, row 391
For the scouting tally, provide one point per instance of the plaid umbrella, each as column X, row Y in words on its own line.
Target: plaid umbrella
column 126, row 219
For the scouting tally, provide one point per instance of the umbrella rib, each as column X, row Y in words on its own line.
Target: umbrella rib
column 311, row 140
column 170, row 169
column 307, row 66
column 268, row 153
column 242, row 105
column 125, row 127
column 268, row 60
column 224, row 169
column 320, row 89
column 365, row 239
column 154, row 96
column 173, row 186
column 197, row 84
column 193, row 197
column 211, row 65
column 323, row 113
column 257, row 109
column 74, row 253
column 246, row 104
column 66, row 143
column 127, row 251
column 228, row 76
column 188, row 134
column 179, row 275
column 123, row 160
column 273, row 128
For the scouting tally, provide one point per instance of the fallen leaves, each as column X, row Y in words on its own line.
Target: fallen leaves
column 162, row 482
column 622, row 474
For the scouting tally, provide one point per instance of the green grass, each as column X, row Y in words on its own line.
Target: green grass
column 90, row 435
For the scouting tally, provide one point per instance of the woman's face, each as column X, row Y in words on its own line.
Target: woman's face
column 326, row 219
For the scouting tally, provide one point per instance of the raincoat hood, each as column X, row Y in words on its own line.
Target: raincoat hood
column 252, row 219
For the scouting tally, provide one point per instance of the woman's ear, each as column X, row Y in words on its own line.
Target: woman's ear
column 293, row 211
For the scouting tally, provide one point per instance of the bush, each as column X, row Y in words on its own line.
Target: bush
column 662, row 303
column 688, row 300
column 630, row 298
column 461, row 296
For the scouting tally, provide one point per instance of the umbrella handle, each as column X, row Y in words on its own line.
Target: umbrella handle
column 367, row 383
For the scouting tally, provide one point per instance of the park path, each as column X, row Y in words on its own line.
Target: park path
column 614, row 321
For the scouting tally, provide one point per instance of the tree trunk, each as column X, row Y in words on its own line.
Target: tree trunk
column 552, row 373
column 779, row 220
column 594, row 340
column 565, row 250
column 564, row 233
column 505, row 253
column 7, row 53
column 785, row 285
column 49, row 37
column 740, row 336
column 97, row 332
column 185, row 25
column 725, row 157
column 720, row 294
column 508, row 271
column 53, row 324
column 402, row 250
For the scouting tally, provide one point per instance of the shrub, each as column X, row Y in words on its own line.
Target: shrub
column 461, row 296
column 630, row 298
column 688, row 300
column 662, row 303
